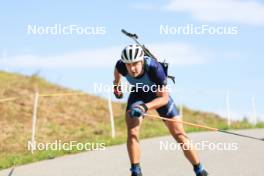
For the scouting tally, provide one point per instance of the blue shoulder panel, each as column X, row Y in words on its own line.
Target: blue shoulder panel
column 121, row 68
column 156, row 71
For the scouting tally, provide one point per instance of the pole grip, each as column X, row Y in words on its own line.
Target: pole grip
column 129, row 34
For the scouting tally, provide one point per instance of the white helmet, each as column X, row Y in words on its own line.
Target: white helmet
column 132, row 53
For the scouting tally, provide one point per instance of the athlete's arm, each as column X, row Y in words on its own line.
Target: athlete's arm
column 117, row 77
column 159, row 77
column 161, row 100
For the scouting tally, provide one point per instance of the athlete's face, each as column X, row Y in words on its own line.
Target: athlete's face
column 135, row 69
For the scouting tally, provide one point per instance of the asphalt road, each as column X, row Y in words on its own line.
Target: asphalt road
column 236, row 156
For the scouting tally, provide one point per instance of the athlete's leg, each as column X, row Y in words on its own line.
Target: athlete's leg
column 133, row 127
column 177, row 131
column 133, row 148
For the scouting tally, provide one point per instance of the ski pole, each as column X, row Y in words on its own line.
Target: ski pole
column 204, row 127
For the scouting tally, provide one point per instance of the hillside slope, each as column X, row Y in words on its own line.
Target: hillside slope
column 78, row 117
